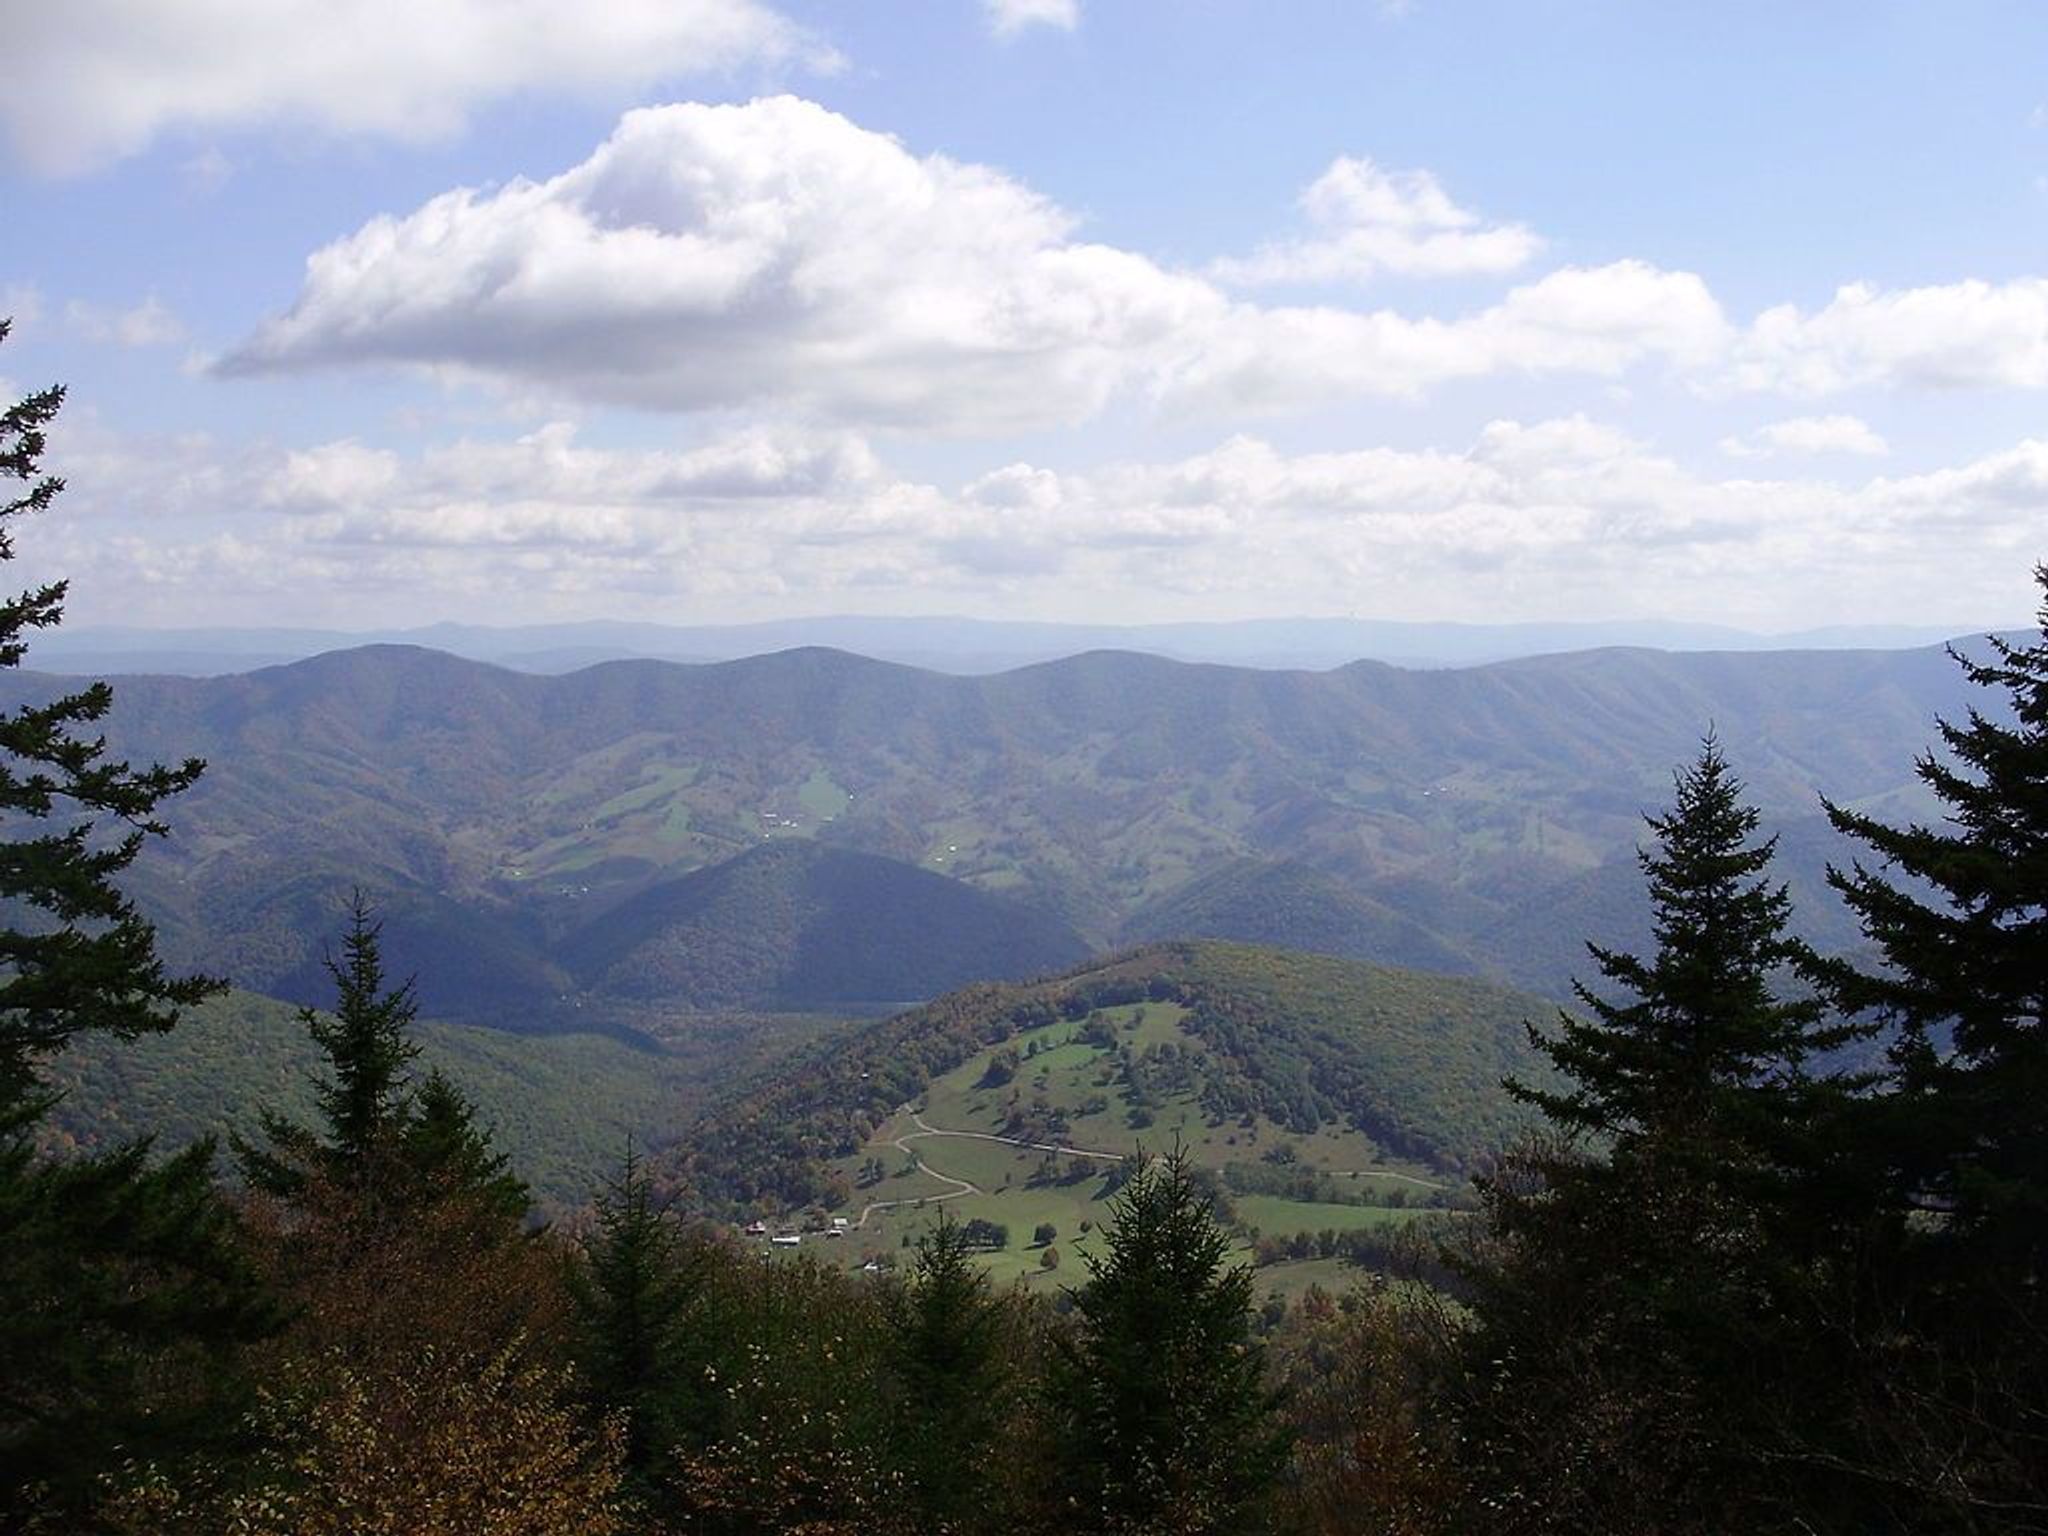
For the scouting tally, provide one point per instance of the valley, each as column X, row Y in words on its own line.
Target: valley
column 625, row 846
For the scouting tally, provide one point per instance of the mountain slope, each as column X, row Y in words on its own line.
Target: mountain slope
column 494, row 812
column 1397, row 1066
column 1258, row 902
column 563, row 1108
column 799, row 925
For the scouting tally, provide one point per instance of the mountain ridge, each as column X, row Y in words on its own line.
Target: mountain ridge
column 508, row 806
column 954, row 643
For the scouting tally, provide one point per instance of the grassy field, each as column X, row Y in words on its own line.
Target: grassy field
column 1067, row 1083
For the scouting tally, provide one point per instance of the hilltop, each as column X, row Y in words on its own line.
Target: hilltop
column 1316, row 1092
column 1480, row 820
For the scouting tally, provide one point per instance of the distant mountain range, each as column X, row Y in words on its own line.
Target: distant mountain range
column 958, row 645
column 536, row 841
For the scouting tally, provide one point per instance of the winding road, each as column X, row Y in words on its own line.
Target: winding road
column 964, row 1187
column 961, row 1186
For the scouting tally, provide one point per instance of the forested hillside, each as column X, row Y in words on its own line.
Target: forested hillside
column 1482, row 820
column 802, row 925
column 1407, row 1066
column 563, row 1107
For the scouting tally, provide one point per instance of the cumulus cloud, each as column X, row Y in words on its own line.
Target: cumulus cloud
column 776, row 253
column 1009, row 17
column 1808, row 434
column 710, row 256
column 1590, row 320
column 1976, row 334
column 1525, row 520
column 148, row 324
column 90, row 81
column 1368, row 220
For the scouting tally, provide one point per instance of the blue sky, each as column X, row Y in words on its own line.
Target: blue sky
column 703, row 310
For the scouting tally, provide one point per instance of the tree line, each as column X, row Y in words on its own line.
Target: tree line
column 1733, row 1284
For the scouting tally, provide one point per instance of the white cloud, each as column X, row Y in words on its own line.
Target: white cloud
column 1009, row 17
column 724, row 256
column 1593, row 320
column 1809, row 434
column 1528, row 520
column 148, row 324
column 1370, row 220
column 90, row 81
column 711, row 256
column 1972, row 334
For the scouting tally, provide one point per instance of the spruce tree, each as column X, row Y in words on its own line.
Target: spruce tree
column 1960, row 916
column 445, row 1152
column 382, row 1138
column 1167, row 1423
column 634, row 1292
column 122, row 1281
column 1705, row 1060
column 366, row 1100
column 1647, row 1269
column 89, row 962
column 951, row 1378
column 1954, row 1427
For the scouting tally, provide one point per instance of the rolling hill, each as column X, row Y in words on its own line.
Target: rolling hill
column 562, row 1108
column 1481, row 820
column 803, row 926
column 1315, row 1093
column 1407, row 1064
column 1298, row 907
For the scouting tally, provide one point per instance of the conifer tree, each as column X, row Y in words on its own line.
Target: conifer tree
column 1646, row 1266
column 121, row 1280
column 381, row 1137
column 1705, row 1060
column 1960, row 916
column 946, row 1358
column 91, row 964
column 365, row 1101
column 1954, row 1432
column 634, row 1291
column 445, row 1152
column 1168, row 1424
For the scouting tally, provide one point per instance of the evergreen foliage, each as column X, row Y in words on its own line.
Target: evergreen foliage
column 121, row 1281
column 124, row 1288
column 447, row 1152
column 1960, row 917
column 1644, row 1293
column 367, row 1042
column 951, row 1377
column 381, row 1137
column 1705, row 1061
column 91, row 963
column 1168, row 1425
column 1952, row 1430
column 634, row 1290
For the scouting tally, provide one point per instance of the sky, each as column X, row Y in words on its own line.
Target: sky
column 384, row 312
